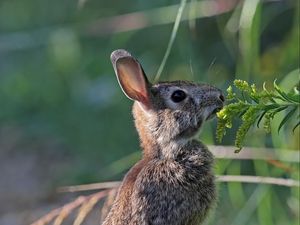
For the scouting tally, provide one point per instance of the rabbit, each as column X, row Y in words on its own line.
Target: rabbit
column 173, row 183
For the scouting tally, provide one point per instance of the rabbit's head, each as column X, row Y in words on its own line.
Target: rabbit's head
column 166, row 112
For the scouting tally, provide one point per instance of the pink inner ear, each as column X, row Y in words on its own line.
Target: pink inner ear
column 132, row 80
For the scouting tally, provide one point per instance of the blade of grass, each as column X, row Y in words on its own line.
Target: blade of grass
column 122, row 164
column 230, row 29
column 192, row 14
column 172, row 39
column 245, row 213
column 235, row 190
column 262, row 168
column 249, row 38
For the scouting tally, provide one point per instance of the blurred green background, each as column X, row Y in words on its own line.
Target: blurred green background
column 60, row 99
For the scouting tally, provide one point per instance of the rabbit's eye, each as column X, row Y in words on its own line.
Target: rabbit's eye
column 178, row 96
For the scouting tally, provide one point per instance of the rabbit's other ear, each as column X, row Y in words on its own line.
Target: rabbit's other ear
column 131, row 77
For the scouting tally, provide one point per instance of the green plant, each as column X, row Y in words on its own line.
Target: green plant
column 252, row 105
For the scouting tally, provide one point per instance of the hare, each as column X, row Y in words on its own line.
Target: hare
column 173, row 183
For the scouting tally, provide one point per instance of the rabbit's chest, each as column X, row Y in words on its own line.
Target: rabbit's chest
column 187, row 174
column 172, row 191
column 189, row 178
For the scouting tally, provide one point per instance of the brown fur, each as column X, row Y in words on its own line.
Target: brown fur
column 173, row 184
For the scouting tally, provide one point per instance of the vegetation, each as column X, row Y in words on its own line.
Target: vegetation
column 253, row 105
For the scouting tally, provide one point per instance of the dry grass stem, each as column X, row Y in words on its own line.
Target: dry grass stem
column 248, row 153
column 224, row 178
column 87, row 187
column 108, row 203
column 259, row 180
column 87, row 203
column 88, row 206
column 60, row 214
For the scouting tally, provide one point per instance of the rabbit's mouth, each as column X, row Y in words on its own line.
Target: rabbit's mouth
column 212, row 111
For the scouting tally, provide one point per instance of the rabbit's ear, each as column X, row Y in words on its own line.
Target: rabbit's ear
column 131, row 77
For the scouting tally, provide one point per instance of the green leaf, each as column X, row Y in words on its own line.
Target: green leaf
column 286, row 118
column 268, row 108
column 243, row 96
column 279, row 109
column 254, row 99
column 294, row 97
column 296, row 126
column 243, row 112
column 260, row 118
column 264, row 87
column 282, row 93
column 272, row 100
column 271, row 106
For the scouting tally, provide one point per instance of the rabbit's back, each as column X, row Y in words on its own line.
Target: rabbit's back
column 121, row 210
